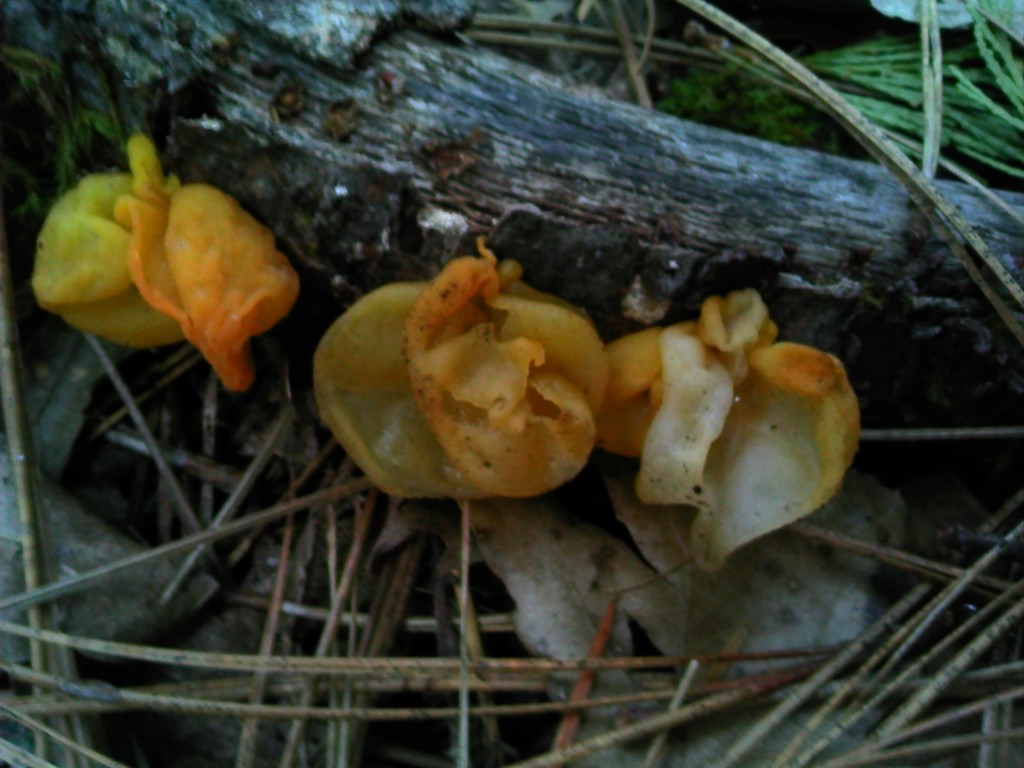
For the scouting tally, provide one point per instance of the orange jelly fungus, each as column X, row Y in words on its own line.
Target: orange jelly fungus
column 469, row 386
column 142, row 260
column 751, row 432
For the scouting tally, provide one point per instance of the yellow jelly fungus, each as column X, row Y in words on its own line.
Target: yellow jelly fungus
column 634, row 392
column 363, row 394
column 143, row 260
column 81, row 271
column 752, row 433
column 492, row 392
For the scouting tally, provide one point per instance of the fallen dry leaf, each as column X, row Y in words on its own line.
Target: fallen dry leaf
column 563, row 572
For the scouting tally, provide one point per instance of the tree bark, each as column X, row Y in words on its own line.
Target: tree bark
column 375, row 151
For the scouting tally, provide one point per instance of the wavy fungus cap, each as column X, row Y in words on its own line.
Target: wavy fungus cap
column 211, row 266
column 81, row 271
column 754, row 434
column 199, row 258
column 490, row 389
column 363, row 394
column 634, row 392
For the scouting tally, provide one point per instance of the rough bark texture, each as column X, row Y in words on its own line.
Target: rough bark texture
column 374, row 150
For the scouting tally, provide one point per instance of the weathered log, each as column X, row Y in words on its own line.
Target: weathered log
column 374, row 151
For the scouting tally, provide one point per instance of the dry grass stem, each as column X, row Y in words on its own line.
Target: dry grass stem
column 629, row 55
column 19, row 443
column 245, row 545
column 707, row 706
column 12, row 754
column 339, row 598
column 806, row 690
column 73, row 746
column 891, row 653
column 581, row 689
column 77, row 583
column 935, row 748
column 952, row 433
column 931, row 71
column 427, row 666
column 209, row 432
column 945, row 719
column 465, row 535
column 496, row 29
column 488, row 623
column 182, row 507
column 201, row 467
column 931, row 569
column 176, row 365
column 233, row 504
column 247, row 738
column 657, row 748
column 37, row 553
column 960, row 662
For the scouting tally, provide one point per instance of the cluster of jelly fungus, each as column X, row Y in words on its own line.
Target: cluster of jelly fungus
column 142, row 260
column 751, row 432
column 492, row 393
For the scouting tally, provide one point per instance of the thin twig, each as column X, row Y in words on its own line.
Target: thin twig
column 201, row 467
column 581, row 689
column 39, row 564
column 1005, row 512
column 474, row 641
column 181, row 504
column 333, row 666
column 108, row 698
column 833, row 667
column 702, row 708
column 931, row 79
column 657, row 747
column 465, row 532
column 395, row 584
column 937, row 746
column 943, row 720
column 991, row 196
column 81, row 581
column 233, row 504
column 933, row 569
column 12, row 754
column 349, row 689
column 71, row 745
column 343, row 475
column 489, row 623
column 209, row 430
column 900, row 644
column 247, row 738
column 964, row 658
column 938, row 650
column 625, row 38
column 942, row 433
column 19, row 443
column 330, row 628
column 576, row 46
column 177, row 365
